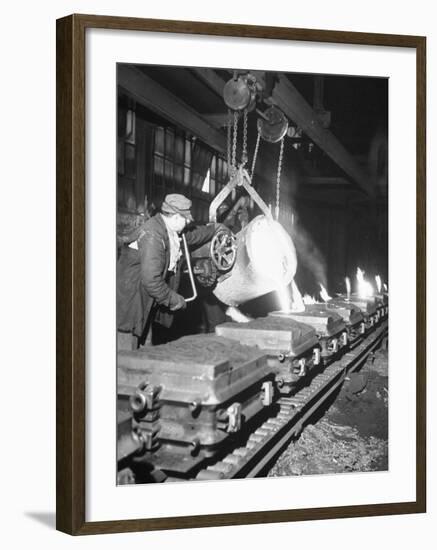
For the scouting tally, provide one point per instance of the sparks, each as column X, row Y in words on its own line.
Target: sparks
column 297, row 304
column 324, row 293
column 365, row 289
column 378, row 283
column 284, row 298
column 308, row 300
column 348, row 286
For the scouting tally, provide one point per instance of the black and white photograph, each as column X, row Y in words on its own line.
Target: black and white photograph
column 218, row 275
column 252, row 282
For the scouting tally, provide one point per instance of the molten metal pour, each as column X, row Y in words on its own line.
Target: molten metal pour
column 265, row 261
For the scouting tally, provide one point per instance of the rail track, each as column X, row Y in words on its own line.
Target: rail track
column 267, row 441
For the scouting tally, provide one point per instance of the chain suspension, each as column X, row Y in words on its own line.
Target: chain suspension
column 255, row 154
column 244, row 156
column 234, row 144
column 228, row 152
column 278, row 179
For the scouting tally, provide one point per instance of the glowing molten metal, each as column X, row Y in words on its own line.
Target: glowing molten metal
column 324, row 294
column 365, row 289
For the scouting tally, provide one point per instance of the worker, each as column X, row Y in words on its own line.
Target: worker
column 148, row 272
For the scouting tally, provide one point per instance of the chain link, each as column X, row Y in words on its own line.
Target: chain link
column 278, row 179
column 244, row 157
column 228, row 151
column 255, row 154
column 234, row 144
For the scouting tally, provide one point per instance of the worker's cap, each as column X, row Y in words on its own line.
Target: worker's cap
column 177, row 204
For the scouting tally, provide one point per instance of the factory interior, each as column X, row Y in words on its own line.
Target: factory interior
column 260, row 347
column 179, row 127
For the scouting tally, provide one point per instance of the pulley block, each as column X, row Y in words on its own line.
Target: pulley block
column 237, row 94
column 273, row 126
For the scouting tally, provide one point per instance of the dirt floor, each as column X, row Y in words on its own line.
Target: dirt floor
column 351, row 434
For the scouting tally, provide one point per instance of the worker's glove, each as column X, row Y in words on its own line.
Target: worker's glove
column 177, row 303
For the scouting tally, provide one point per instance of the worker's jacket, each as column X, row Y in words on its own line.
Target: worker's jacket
column 143, row 279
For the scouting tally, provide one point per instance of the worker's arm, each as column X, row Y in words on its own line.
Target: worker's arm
column 201, row 234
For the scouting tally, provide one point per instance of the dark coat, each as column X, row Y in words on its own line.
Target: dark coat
column 143, row 279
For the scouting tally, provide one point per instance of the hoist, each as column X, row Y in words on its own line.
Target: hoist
column 240, row 97
column 263, row 243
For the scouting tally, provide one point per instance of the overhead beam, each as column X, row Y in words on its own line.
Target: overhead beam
column 294, row 106
column 157, row 98
column 216, row 84
column 160, row 100
column 211, row 79
column 218, row 120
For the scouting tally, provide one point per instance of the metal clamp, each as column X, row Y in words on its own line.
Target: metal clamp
column 144, row 397
column 333, row 346
column 194, row 406
column 234, row 417
column 241, row 178
column 267, row 393
column 195, row 446
column 302, row 366
column 344, row 338
column 144, row 439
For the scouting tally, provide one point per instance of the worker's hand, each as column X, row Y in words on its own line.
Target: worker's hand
column 177, row 303
column 218, row 226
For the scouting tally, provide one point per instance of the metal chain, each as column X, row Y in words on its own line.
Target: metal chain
column 255, row 154
column 244, row 157
column 278, row 179
column 234, row 144
column 228, row 152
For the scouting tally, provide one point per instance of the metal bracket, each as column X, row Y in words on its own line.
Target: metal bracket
column 144, row 398
column 302, row 367
column 344, row 338
column 234, row 417
column 267, row 393
column 333, row 346
column 241, row 178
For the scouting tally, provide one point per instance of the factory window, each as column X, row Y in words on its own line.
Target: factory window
column 171, row 159
column 206, row 188
column 184, row 165
column 216, row 177
column 219, row 174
